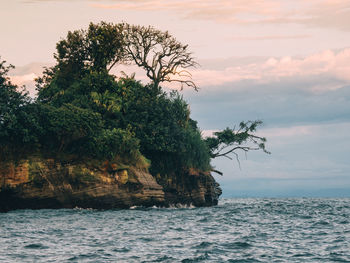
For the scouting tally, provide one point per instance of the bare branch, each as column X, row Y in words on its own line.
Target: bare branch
column 159, row 54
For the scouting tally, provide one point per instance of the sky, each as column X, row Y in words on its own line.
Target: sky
column 285, row 62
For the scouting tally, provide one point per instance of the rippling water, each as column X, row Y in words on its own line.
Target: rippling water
column 237, row 230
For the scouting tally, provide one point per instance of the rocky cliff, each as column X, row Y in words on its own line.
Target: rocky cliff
column 46, row 183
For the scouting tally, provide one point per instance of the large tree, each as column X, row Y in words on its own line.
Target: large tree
column 83, row 52
column 162, row 57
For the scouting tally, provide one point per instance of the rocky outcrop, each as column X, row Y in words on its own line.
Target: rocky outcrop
column 38, row 183
column 190, row 187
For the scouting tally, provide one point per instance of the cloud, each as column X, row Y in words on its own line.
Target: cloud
column 203, row 9
column 285, row 132
column 285, row 91
column 26, row 80
column 268, row 37
column 282, row 103
column 314, row 13
column 36, row 68
column 25, row 75
column 328, row 13
column 326, row 64
column 225, row 11
column 20, row 80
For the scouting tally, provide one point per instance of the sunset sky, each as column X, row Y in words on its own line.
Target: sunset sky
column 284, row 62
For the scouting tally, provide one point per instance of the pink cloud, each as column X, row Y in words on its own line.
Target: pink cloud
column 328, row 62
column 26, row 80
column 221, row 10
column 268, row 37
column 20, row 80
column 316, row 13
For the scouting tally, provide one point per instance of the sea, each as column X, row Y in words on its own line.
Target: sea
column 237, row 230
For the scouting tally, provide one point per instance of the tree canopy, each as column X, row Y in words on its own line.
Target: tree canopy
column 98, row 48
column 83, row 110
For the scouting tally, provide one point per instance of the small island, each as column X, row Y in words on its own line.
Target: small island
column 92, row 139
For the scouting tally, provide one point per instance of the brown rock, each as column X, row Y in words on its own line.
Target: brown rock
column 39, row 183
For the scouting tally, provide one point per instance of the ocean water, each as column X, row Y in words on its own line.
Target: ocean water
column 237, row 230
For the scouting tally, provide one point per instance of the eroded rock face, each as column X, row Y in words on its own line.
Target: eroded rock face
column 38, row 183
column 190, row 187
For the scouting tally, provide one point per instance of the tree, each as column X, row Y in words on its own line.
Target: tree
column 11, row 99
column 18, row 122
column 162, row 57
column 83, row 110
column 99, row 47
column 162, row 123
column 83, row 52
column 226, row 143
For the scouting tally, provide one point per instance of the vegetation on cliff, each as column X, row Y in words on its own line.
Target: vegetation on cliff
column 84, row 111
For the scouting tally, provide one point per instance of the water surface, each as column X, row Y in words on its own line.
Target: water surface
column 237, row 230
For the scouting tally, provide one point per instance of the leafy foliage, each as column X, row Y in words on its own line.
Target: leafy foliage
column 16, row 120
column 97, row 48
column 162, row 123
column 227, row 142
column 84, row 111
column 110, row 143
column 68, row 128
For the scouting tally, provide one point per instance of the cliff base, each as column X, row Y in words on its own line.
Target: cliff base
column 47, row 183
